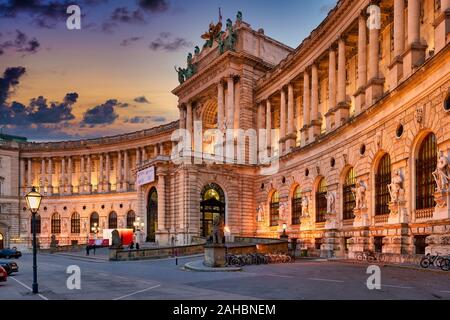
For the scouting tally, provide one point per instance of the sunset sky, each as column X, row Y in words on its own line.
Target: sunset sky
column 116, row 73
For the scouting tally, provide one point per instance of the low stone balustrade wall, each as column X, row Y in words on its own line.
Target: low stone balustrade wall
column 154, row 253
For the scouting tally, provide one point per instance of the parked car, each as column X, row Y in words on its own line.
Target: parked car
column 9, row 266
column 3, row 275
column 10, row 253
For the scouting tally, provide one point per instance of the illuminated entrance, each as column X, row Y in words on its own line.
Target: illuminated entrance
column 212, row 204
column 1, row 241
column 152, row 215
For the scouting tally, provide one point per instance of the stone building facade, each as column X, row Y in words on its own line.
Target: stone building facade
column 356, row 159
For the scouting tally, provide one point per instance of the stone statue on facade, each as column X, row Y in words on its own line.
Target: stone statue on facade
column 196, row 51
column 305, row 206
column 331, row 202
column 360, row 195
column 239, row 16
column 260, row 213
column 218, row 235
column 396, row 187
column 181, row 74
column 442, row 173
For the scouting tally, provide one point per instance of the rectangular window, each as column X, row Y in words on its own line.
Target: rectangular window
column 378, row 244
column 317, row 243
column 420, row 244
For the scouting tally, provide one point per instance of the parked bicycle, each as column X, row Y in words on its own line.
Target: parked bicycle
column 256, row 259
column 432, row 260
column 370, row 256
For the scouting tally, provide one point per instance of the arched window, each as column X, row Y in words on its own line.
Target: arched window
column 296, row 206
column 94, row 221
column 56, row 223
column 131, row 217
column 382, row 179
column 38, row 224
column 321, row 201
column 112, row 220
column 425, row 165
column 348, row 196
column 274, row 209
column 75, row 223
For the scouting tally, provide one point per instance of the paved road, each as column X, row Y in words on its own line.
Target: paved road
column 162, row 279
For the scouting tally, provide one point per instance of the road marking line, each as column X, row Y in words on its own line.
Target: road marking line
column 445, row 291
column 328, row 280
column 140, row 291
column 392, row 286
column 27, row 287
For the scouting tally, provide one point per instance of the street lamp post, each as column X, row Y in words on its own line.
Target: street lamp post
column 34, row 199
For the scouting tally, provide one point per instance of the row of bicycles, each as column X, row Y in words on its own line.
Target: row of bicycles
column 437, row 261
column 241, row 260
column 370, row 256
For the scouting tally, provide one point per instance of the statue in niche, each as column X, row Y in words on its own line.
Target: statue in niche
column 305, row 206
column 360, row 195
column 331, row 202
column 441, row 175
column 396, row 187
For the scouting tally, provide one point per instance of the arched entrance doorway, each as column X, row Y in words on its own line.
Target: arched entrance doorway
column 152, row 215
column 212, row 204
column 1, row 241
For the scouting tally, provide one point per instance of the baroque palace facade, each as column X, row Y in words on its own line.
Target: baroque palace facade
column 358, row 159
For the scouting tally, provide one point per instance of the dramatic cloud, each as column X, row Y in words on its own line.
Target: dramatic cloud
column 10, row 79
column 141, row 99
column 165, row 42
column 154, row 6
column 101, row 114
column 20, row 43
column 145, row 119
column 128, row 41
column 124, row 15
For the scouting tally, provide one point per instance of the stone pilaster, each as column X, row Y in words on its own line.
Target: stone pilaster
column 396, row 67
column 442, row 26
column 315, row 124
column 342, row 108
column 360, row 94
column 329, row 116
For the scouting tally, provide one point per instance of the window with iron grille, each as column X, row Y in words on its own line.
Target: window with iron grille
column 321, row 201
column 296, row 206
column 75, row 223
column 112, row 220
column 425, row 165
column 56, row 223
column 274, row 209
column 38, row 224
column 382, row 179
column 348, row 196
column 378, row 244
column 131, row 217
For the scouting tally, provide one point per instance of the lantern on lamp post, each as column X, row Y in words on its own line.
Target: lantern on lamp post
column 34, row 199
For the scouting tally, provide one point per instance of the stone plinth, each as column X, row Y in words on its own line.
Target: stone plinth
column 442, row 210
column 215, row 256
column 330, row 244
column 361, row 218
column 359, row 243
column 398, row 212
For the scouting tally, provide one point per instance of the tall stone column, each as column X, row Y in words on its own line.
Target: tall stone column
column 125, row 171
column 22, row 181
column 89, row 174
column 329, row 116
column 143, row 154
column 415, row 50
column 161, row 202
column 155, row 151
column 82, row 186
column 182, row 111
column 230, row 102
column 69, row 175
column 268, row 125
column 261, row 125
column 306, row 108
column 220, row 105
column 314, row 129
column 50, row 177
column 100, row 174
column 42, row 177
column 360, row 94
column 119, row 171
column 189, row 124
column 342, row 108
column 137, row 161
column 107, row 173
column 282, row 120
column 442, row 26
column 62, row 184
column 29, row 174
column 291, row 135
column 396, row 66
column 374, row 89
